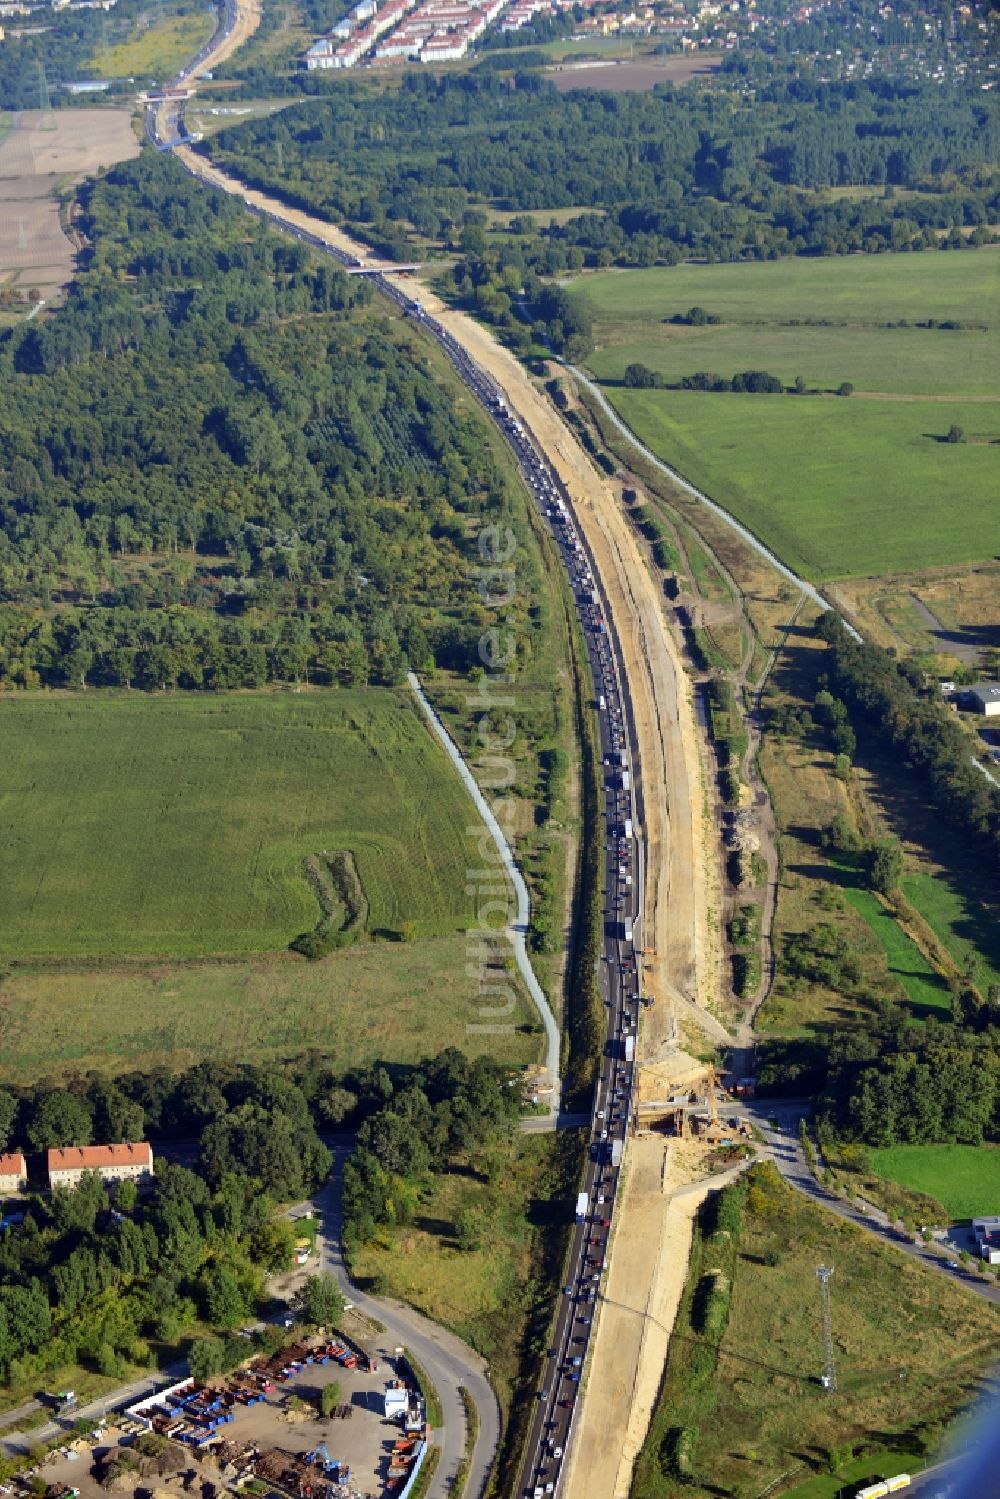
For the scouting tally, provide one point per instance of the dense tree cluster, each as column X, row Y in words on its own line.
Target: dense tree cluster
column 450, row 1108
column 663, row 175
column 911, row 1084
column 212, row 476
column 85, row 1279
column 897, row 703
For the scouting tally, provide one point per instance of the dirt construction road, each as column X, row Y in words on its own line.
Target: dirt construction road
column 648, row 1268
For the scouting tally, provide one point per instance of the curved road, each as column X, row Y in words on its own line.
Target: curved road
column 517, row 930
column 447, row 1361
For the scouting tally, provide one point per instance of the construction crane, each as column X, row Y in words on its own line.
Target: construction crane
column 829, row 1376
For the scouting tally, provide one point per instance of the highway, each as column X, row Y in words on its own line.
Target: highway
column 551, row 1427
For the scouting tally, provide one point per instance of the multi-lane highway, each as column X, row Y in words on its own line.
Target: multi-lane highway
column 551, row 1427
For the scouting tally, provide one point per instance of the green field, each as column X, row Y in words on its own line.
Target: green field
column 857, row 289
column 158, row 50
column 746, row 1401
column 836, row 486
column 959, row 921
column 178, row 825
column 965, row 1178
column 926, row 989
column 385, row 1001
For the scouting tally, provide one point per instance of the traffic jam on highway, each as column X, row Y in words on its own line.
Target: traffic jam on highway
column 551, row 1426
column 552, row 1422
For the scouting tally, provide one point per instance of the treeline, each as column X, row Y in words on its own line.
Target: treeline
column 448, row 1110
column 87, row 1278
column 903, row 1083
column 895, row 703
column 659, row 176
column 217, row 471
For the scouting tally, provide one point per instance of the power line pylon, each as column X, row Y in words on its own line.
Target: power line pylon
column 829, row 1378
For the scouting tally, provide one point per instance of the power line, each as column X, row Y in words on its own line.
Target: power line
column 829, row 1378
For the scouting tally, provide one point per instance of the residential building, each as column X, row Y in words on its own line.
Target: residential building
column 13, row 1173
column 113, row 1163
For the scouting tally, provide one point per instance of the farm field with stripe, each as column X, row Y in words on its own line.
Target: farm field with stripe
column 179, row 825
column 839, row 486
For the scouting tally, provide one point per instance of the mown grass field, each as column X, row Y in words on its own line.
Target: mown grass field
column 159, row 49
column 837, row 486
column 909, row 1348
column 959, row 921
column 965, row 1178
column 178, row 824
column 927, row 990
column 858, row 289
column 373, row 1002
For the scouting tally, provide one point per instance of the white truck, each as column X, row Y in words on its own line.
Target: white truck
column 582, row 1203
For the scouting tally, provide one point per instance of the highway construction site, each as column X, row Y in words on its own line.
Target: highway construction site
column 650, row 1203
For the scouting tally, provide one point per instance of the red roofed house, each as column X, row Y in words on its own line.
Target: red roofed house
column 13, row 1173
column 113, row 1163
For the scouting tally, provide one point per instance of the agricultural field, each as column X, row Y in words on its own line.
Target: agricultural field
column 179, row 825
column 741, row 1402
column 382, row 1001
column 35, row 159
column 838, row 486
column 835, row 487
column 965, row 1178
column 159, row 47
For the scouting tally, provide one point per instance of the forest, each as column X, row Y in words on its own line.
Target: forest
column 85, row 1277
column 219, row 468
column 658, row 176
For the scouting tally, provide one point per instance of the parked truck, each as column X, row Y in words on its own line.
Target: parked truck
column 581, row 1207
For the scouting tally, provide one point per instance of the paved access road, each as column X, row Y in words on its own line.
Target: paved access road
column 785, row 1149
column 448, row 1362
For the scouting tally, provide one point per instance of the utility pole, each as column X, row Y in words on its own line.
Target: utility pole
column 829, row 1378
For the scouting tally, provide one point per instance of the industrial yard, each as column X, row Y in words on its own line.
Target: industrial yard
column 262, row 1426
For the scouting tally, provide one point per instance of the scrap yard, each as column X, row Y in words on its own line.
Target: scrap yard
column 271, row 1426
